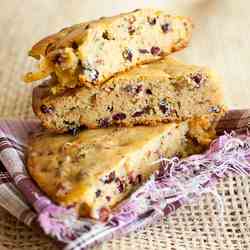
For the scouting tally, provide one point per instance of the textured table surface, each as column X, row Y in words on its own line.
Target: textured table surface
column 220, row 40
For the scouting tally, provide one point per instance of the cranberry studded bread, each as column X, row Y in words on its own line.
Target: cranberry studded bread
column 162, row 91
column 98, row 168
column 92, row 52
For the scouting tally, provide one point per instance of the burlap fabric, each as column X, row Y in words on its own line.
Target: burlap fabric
column 191, row 227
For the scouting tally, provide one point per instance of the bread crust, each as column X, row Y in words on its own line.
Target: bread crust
column 85, row 64
column 99, row 168
column 169, row 71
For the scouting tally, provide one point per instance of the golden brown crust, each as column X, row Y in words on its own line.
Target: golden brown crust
column 83, row 170
column 66, row 36
column 77, row 54
column 209, row 94
column 50, row 43
column 41, row 47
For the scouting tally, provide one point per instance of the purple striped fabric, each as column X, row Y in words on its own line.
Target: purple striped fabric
column 4, row 175
column 174, row 184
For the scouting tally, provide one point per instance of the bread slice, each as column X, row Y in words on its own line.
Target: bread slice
column 92, row 52
column 98, row 168
column 163, row 91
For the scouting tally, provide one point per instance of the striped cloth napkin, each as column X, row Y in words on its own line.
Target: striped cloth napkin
column 177, row 182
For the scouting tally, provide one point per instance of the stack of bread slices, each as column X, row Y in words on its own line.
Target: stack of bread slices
column 113, row 103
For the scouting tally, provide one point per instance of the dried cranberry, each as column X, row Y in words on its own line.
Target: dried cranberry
column 133, row 89
column 138, row 89
column 145, row 110
column 155, row 51
column 105, row 35
column 127, row 54
column 57, row 59
column 74, row 45
column 119, row 116
column 164, row 107
column 151, row 20
column 131, row 30
column 198, row 79
column 91, row 73
column 110, row 108
column 165, row 27
column 120, row 185
column 46, row 109
column 139, row 179
column 108, row 198
column 98, row 193
column 94, row 75
column 109, row 178
column 74, row 130
column 104, row 214
column 103, row 122
column 214, row 109
column 143, row 51
column 149, row 92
